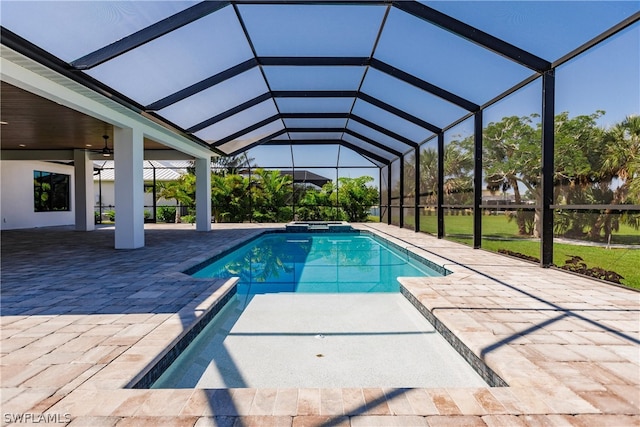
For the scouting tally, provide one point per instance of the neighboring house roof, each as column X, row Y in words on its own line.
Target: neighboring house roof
column 172, row 170
column 304, row 176
column 164, row 170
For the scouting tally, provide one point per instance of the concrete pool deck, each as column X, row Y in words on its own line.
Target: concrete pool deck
column 81, row 320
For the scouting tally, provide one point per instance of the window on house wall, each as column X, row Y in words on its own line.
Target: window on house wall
column 50, row 191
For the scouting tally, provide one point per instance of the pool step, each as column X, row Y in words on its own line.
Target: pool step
column 318, row 226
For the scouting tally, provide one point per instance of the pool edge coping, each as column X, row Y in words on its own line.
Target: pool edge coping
column 195, row 316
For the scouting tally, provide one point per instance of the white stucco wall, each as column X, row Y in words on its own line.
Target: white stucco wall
column 16, row 196
column 109, row 199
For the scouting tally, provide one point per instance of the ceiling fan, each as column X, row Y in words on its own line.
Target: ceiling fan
column 105, row 151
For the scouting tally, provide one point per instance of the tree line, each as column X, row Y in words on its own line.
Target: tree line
column 592, row 166
column 270, row 196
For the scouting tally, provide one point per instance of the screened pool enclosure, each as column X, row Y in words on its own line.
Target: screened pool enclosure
column 463, row 111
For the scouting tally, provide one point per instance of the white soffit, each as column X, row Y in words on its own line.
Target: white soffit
column 31, row 76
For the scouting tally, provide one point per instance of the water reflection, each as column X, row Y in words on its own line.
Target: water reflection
column 332, row 262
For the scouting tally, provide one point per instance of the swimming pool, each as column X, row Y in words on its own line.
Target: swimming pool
column 317, row 263
column 318, row 310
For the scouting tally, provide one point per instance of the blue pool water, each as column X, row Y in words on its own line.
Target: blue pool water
column 316, row 263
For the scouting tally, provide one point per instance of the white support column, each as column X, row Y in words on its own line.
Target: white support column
column 83, row 192
column 129, row 188
column 203, row 194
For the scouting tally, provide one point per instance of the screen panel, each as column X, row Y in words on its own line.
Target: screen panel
column 473, row 72
column 216, row 99
column 548, row 29
column 411, row 99
column 238, row 121
column 313, row 30
column 176, row 60
column 77, row 28
column 313, row 77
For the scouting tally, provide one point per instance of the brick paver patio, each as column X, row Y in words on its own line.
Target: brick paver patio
column 81, row 321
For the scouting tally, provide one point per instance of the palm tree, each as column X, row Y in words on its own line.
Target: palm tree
column 272, row 195
column 231, row 164
column 622, row 156
column 182, row 190
column 622, row 161
column 230, row 197
column 429, row 175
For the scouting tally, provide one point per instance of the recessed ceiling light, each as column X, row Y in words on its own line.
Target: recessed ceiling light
column 4, row 123
column 22, row 145
column 87, row 145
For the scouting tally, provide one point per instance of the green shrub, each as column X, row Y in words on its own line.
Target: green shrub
column 188, row 219
column 166, row 213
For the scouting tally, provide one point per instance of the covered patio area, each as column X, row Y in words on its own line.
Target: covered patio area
column 81, row 321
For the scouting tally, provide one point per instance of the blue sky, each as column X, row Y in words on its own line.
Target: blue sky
column 607, row 78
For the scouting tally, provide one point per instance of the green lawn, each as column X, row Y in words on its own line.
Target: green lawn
column 499, row 233
column 623, row 261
